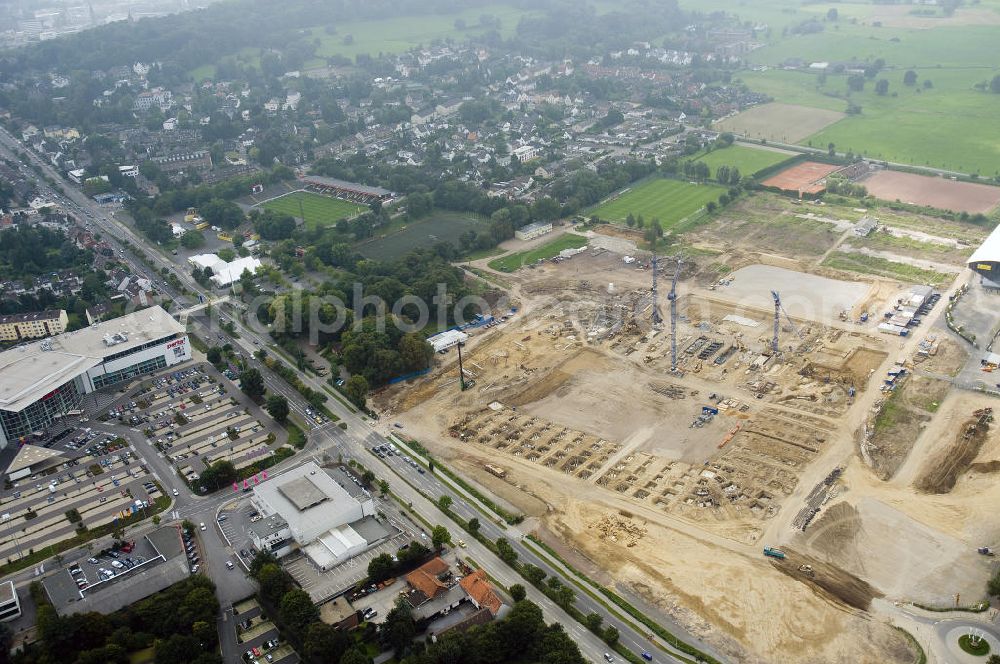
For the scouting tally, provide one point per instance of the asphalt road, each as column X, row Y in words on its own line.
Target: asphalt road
column 359, row 438
column 352, row 443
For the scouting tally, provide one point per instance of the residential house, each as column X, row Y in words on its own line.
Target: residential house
column 33, row 325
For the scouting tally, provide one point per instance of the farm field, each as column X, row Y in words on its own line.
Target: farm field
column 947, row 46
column 437, row 227
column 512, row 262
column 667, row 200
column 749, row 160
column 788, row 123
column 934, row 192
column 400, row 33
column 390, row 35
column 318, row 210
column 942, row 126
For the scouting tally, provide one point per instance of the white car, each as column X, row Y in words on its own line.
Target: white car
column 176, row 492
column 201, row 526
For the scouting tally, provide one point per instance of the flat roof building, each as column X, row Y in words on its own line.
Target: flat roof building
column 985, row 261
column 165, row 564
column 10, row 605
column 31, row 459
column 350, row 190
column 223, row 273
column 33, row 325
column 531, row 231
column 445, row 340
column 330, row 520
column 44, row 381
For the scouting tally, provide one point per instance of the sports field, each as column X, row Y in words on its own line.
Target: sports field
column 804, row 177
column 667, row 200
column 437, row 227
column 512, row 262
column 748, row 159
column 317, row 210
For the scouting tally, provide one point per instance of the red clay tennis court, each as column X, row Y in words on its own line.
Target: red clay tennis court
column 804, row 178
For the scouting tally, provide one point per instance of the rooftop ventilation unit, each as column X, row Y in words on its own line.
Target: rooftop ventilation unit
column 115, row 339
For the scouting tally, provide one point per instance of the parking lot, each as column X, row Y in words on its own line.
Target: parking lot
column 102, row 479
column 236, row 517
column 257, row 636
column 196, row 417
column 104, row 566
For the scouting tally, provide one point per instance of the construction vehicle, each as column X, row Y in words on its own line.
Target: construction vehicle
column 807, row 570
column 772, row 552
column 985, row 551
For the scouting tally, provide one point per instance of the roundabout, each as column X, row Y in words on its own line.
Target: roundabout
column 968, row 643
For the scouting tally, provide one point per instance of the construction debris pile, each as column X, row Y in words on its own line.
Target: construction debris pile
column 619, row 530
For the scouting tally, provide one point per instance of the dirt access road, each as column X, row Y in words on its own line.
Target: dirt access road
column 841, row 446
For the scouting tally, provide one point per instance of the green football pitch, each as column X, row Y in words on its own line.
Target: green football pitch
column 670, row 201
column 313, row 209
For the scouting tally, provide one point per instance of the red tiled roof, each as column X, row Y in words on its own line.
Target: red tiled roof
column 480, row 591
column 425, row 577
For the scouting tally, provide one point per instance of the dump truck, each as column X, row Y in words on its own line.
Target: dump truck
column 772, row 552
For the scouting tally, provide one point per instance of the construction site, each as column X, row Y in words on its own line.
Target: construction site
column 650, row 413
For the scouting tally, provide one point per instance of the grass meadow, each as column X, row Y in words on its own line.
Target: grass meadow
column 670, row 201
column 512, row 262
column 748, row 160
column 439, row 226
column 950, row 125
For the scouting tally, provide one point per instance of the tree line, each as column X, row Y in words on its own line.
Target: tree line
column 179, row 623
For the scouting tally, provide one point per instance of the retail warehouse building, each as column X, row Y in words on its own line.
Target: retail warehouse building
column 330, row 520
column 45, row 381
column 985, row 261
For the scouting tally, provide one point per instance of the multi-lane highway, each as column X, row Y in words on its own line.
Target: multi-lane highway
column 411, row 485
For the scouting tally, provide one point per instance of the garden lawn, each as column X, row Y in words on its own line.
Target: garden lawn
column 317, row 210
column 512, row 262
column 670, row 201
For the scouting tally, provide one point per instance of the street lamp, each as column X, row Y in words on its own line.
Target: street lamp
column 5, row 518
